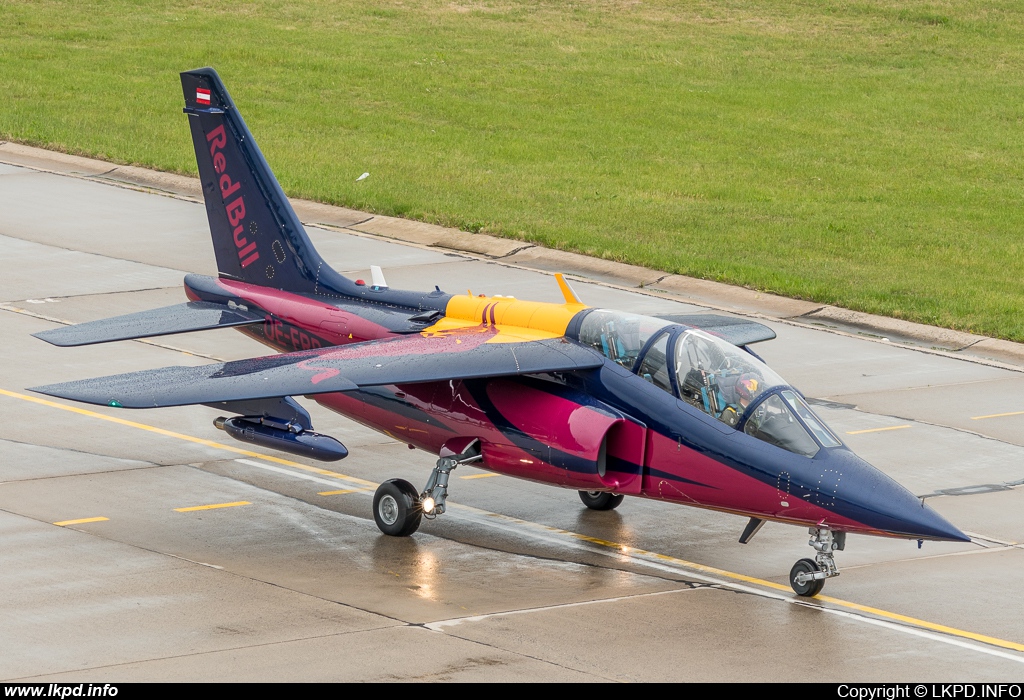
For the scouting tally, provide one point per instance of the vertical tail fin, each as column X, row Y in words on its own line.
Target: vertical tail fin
column 256, row 235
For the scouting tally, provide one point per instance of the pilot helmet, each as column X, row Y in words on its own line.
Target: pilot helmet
column 748, row 386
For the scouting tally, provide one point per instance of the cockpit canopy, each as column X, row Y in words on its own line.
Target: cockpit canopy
column 724, row 381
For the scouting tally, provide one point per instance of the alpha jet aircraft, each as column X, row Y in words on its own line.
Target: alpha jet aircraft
column 606, row 403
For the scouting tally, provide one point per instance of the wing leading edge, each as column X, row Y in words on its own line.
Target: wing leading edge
column 405, row 360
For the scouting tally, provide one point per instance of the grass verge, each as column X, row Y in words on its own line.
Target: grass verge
column 866, row 154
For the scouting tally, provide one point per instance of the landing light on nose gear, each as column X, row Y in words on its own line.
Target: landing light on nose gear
column 807, row 577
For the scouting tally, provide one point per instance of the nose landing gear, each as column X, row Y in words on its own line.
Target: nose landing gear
column 807, row 577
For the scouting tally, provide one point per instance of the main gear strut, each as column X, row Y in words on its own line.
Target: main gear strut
column 435, row 494
column 397, row 508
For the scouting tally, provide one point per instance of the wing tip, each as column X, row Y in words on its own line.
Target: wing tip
column 58, row 391
column 53, row 336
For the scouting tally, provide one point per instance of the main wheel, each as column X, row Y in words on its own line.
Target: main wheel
column 396, row 508
column 601, row 500
column 810, row 588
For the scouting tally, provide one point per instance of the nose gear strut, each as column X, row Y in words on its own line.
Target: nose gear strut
column 807, row 577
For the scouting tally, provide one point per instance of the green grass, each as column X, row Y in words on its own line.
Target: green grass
column 868, row 154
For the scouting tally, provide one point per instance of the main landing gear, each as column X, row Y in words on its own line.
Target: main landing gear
column 807, row 577
column 397, row 507
column 601, row 500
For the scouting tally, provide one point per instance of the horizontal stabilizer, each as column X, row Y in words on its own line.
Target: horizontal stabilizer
column 180, row 318
column 463, row 354
column 738, row 331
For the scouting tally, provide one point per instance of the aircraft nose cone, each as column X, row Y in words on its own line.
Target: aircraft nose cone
column 880, row 502
column 923, row 522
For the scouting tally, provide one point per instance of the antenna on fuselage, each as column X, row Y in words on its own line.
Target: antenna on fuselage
column 377, row 277
column 567, row 291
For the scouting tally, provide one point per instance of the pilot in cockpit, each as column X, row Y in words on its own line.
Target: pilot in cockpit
column 738, row 391
column 719, row 383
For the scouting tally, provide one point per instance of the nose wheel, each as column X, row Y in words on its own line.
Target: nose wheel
column 807, row 577
column 801, row 578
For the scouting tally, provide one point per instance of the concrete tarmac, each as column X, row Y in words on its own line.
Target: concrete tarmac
column 112, row 571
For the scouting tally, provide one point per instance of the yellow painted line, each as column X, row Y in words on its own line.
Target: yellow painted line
column 62, row 523
column 181, row 436
column 935, row 627
column 624, row 549
column 479, row 476
column 212, row 506
column 876, row 430
column 924, row 624
column 712, row 573
column 998, row 415
column 338, row 493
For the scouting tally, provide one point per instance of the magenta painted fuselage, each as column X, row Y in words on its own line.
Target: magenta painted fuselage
column 610, row 432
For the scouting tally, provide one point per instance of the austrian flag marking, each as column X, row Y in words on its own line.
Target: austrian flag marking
column 202, row 96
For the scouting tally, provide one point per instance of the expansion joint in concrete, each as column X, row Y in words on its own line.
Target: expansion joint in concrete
column 514, row 251
column 810, row 313
column 358, row 223
column 971, row 345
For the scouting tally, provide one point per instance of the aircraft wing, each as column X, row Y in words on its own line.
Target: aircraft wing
column 180, row 318
column 426, row 357
column 738, row 331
